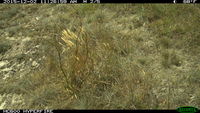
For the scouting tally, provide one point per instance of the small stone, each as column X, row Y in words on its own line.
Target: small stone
column 37, row 46
column 34, row 64
column 3, row 63
column 37, row 18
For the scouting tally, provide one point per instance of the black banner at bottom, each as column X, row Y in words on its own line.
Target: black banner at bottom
column 88, row 111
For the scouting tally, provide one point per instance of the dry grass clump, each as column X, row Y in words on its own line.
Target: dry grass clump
column 92, row 74
column 99, row 74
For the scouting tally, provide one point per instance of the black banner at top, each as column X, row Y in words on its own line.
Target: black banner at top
column 93, row 1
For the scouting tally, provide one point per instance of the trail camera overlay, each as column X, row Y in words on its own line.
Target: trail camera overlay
column 65, row 54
